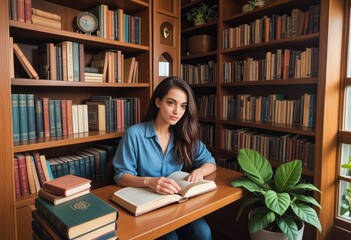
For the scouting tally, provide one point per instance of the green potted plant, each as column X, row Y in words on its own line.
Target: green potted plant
column 202, row 14
column 345, row 206
column 282, row 200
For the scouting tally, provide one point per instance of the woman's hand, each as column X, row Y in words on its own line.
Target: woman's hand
column 196, row 175
column 162, row 185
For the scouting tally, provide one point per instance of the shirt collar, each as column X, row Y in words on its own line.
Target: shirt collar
column 150, row 129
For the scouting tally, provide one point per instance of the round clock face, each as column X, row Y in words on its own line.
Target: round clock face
column 87, row 22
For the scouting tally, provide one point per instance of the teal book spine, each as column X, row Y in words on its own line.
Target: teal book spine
column 52, row 118
column 31, row 117
column 52, row 167
column 75, row 217
column 23, row 116
column 58, row 118
column 15, row 118
column 39, row 122
column 58, row 169
column 82, row 166
column 76, row 62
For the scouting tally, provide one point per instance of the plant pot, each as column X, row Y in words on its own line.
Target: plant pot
column 199, row 22
column 264, row 234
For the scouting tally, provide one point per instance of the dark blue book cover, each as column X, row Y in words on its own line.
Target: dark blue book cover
column 15, row 117
column 23, row 116
column 52, row 118
column 58, row 118
column 39, row 122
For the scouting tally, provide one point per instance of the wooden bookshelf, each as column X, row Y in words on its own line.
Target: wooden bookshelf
column 325, row 85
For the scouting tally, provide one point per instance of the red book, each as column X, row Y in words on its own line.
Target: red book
column 64, row 117
column 22, row 169
column 20, row 10
column 67, row 185
column 17, row 178
column 39, row 167
column 28, row 11
column 46, row 117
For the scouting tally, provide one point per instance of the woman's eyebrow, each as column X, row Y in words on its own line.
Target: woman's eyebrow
column 175, row 100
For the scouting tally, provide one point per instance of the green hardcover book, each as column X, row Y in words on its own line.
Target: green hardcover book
column 52, row 118
column 31, row 116
column 78, row 216
column 58, row 117
column 15, row 118
column 23, row 116
column 39, row 118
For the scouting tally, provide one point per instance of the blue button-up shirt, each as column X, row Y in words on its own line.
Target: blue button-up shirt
column 139, row 153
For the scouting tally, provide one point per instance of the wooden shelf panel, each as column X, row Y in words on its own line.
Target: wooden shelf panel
column 53, row 83
column 200, row 56
column 44, row 143
column 126, row 5
column 206, row 28
column 39, row 35
column 207, row 120
column 204, row 85
column 293, row 42
column 273, row 127
column 282, row 6
column 298, row 81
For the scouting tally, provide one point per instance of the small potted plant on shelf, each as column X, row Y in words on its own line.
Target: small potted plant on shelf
column 253, row 4
column 282, row 203
column 202, row 14
column 345, row 205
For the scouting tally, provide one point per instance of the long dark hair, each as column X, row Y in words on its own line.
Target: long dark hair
column 186, row 131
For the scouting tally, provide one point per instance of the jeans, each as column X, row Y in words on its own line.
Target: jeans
column 196, row 230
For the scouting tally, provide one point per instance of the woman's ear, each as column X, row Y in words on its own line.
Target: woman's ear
column 158, row 102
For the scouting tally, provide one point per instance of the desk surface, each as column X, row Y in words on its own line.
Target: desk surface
column 163, row 220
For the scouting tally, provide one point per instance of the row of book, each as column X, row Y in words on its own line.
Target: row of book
column 274, row 27
column 208, row 134
column 199, row 73
column 37, row 118
column 117, row 25
column 279, row 148
column 206, row 105
column 274, row 108
column 66, row 198
column 33, row 169
column 282, row 64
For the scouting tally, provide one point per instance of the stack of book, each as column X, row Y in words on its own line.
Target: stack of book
column 65, row 209
column 46, row 19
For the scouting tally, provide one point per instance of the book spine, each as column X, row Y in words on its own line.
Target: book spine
column 52, row 118
column 44, row 14
column 14, row 10
column 20, row 10
column 23, row 117
column 76, row 64
column 69, row 117
column 69, row 61
column 46, row 117
column 31, row 116
column 30, row 174
column 58, row 118
column 64, row 117
column 15, row 117
column 46, row 22
column 28, row 11
column 81, row 63
column 51, row 217
column 23, row 174
column 52, row 61
column 39, row 167
column 17, row 178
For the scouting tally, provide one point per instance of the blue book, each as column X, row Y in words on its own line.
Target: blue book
column 59, row 62
column 78, row 216
column 52, row 168
column 39, row 122
column 23, row 116
column 76, row 64
column 52, row 118
column 103, row 161
column 64, row 165
column 87, row 164
column 58, row 165
column 15, row 118
column 58, row 118
column 31, row 116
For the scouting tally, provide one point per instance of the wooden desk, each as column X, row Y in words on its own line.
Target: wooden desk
column 163, row 220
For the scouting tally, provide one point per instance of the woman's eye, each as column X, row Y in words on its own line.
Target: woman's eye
column 170, row 103
column 184, row 106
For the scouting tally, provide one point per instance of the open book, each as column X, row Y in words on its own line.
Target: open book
column 142, row 200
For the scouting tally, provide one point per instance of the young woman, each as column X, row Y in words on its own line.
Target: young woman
column 166, row 141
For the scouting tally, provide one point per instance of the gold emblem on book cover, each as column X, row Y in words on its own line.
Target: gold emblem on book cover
column 80, row 206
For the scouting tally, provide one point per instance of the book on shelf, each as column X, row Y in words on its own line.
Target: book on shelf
column 25, row 62
column 78, row 216
column 142, row 200
column 56, row 199
column 49, row 15
column 46, row 22
column 67, row 185
column 96, row 116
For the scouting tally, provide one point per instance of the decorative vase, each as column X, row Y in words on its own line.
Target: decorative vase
column 264, row 234
column 246, row 8
column 198, row 22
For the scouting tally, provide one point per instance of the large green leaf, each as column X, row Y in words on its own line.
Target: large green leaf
column 305, row 187
column 255, row 166
column 259, row 219
column 307, row 214
column 247, row 184
column 248, row 200
column 287, row 175
column 308, row 199
column 277, row 202
column 288, row 226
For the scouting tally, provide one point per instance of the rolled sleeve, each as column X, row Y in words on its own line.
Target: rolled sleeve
column 202, row 155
